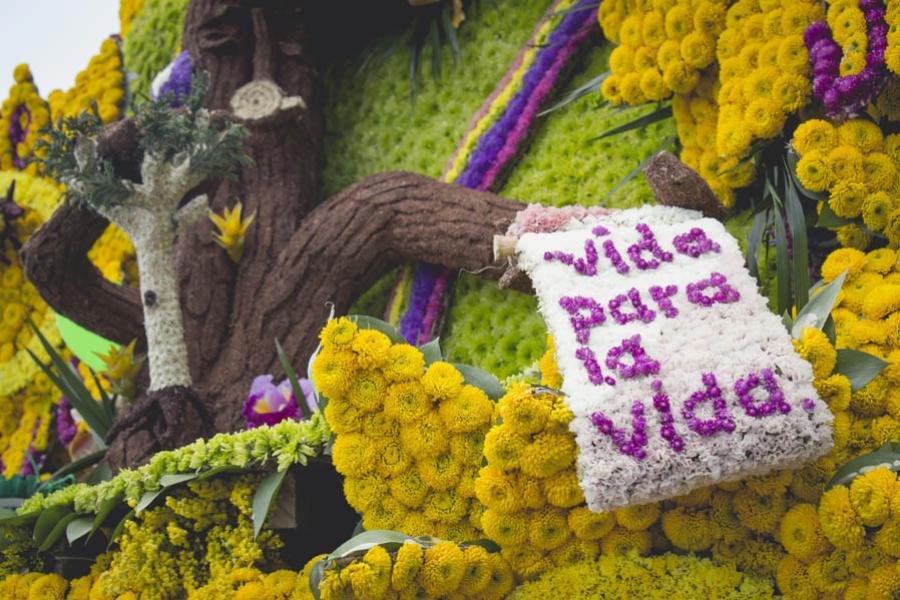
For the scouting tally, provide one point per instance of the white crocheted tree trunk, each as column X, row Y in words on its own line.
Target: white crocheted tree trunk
column 152, row 219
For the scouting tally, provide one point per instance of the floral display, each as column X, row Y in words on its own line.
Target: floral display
column 22, row 115
column 101, row 82
column 857, row 167
column 392, row 415
column 623, row 576
column 175, row 79
column 619, row 293
column 152, row 40
column 128, row 11
column 268, row 404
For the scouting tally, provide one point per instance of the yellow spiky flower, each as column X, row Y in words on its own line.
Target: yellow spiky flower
column 121, row 367
column 232, row 229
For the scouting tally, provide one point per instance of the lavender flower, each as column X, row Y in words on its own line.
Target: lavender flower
column 175, row 79
column 269, row 404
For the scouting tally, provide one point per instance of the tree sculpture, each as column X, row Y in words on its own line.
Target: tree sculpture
column 298, row 255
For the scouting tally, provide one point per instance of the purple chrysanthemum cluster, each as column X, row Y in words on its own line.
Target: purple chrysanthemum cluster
column 845, row 96
column 174, row 80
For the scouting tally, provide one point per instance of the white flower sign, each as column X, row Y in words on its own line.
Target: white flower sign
column 677, row 373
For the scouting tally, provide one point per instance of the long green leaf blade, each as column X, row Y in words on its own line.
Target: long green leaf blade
column 264, row 497
column 292, row 377
column 800, row 264
column 659, row 114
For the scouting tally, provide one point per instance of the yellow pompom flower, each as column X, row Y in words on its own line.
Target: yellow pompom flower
column 800, row 533
column 406, row 566
column 371, row 348
column 425, row 436
column 364, row 492
column 709, row 17
column 669, row 52
column 846, row 164
column 845, row 259
column 638, row 518
column 630, row 32
column 835, row 391
column 404, row 363
column 881, row 260
column 861, row 134
column 733, row 139
column 840, row 523
column 48, row 587
column 622, row 542
column 679, row 22
column 884, row 583
column 881, row 301
column 792, row 54
column 879, row 171
column 353, row 454
column 630, row 89
column 478, row 571
column 793, row 579
column 375, row 579
column 339, row 332
column 876, row 210
column 870, row 496
column 445, row 507
column 501, row 581
column 680, row 77
column 563, row 489
column 764, row 118
column 791, row 92
column 759, row 512
column 391, row 458
column 523, row 412
column 652, row 85
column 342, row 416
column 548, row 454
column 507, row 530
column 442, row 380
column 531, row 494
column 588, row 525
column 688, row 529
column 887, row 539
column 439, row 472
column 333, row 371
column 497, row 490
column 469, row 410
column 547, row 529
column 698, row 49
column 527, row 561
column 815, row 134
column 503, row 447
column 815, row 347
column 813, row 171
column 611, row 89
column 407, row 402
column 621, row 61
column 653, row 29
column 367, row 391
column 829, row 574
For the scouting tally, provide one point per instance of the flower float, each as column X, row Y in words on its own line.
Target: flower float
column 102, row 83
column 22, row 115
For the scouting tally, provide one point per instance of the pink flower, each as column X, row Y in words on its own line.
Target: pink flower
column 269, row 404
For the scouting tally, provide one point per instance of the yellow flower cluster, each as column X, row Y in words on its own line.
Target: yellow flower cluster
column 696, row 119
column 859, row 168
column 102, row 81
column 847, row 547
column 408, row 438
column 444, row 570
column 128, row 11
column 763, row 68
column 848, row 26
column 663, row 45
column 892, row 53
column 659, row 577
column 22, row 115
column 27, row 416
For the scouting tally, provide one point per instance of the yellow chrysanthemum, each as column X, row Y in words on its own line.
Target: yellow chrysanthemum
column 638, row 518
column 815, row 347
column 815, row 134
column 425, row 436
column 681, row 77
column 876, row 210
column 404, row 363
column 870, row 496
column 407, row 402
column 333, row 371
column 440, row 472
column 884, row 583
column 830, row 574
column 588, row 525
column 800, row 533
column 879, row 171
column 503, row 447
column 840, row 523
column 887, row 539
column 835, row 391
column 793, row 579
column 548, row 454
column 505, row 529
column 363, row 492
column 339, row 332
column 846, row 164
column 679, row 22
column 497, row 490
column 442, row 380
column 622, row 542
column 688, row 529
column 478, row 571
column 353, row 454
column 764, row 118
column 845, row 259
column 406, row 566
column 547, row 529
column 468, row 410
column 792, row 54
column 862, row 134
column 759, row 512
column 367, row 391
column 563, row 489
column 371, row 348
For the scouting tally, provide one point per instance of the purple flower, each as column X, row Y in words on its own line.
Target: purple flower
column 175, row 79
column 815, row 32
column 66, row 428
column 269, row 404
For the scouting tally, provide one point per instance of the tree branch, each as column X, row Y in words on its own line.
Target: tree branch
column 55, row 261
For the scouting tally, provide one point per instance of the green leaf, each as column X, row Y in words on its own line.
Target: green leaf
column 787, row 321
column 264, row 497
column 168, row 481
column 818, row 310
column 485, row 543
column 292, row 377
column 489, row 384
column 118, row 530
column 886, row 456
column 19, row 520
column 315, row 577
column 203, row 475
column 147, row 499
column 782, row 258
column 800, row 257
column 829, row 329
column 859, row 367
column 78, row 528
column 435, row 51
column 369, row 539
column 634, row 172
column 663, row 112
column 358, row 529
column 100, row 474
column 827, row 218
column 47, row 520
column 106, row 508
column 431, row 351
column 591, row 87
column 450, row 32
column 77, row 465
column 754, row 241
column 59, row 528
column 367, row 322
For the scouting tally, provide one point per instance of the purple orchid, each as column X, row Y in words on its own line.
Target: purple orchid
column 269, row 404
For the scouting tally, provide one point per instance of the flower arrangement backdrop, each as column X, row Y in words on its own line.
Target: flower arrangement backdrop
column 425, row 450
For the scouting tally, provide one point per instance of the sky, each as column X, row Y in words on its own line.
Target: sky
column 57, row 38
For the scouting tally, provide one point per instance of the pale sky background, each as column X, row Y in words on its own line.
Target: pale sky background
column 56, row 38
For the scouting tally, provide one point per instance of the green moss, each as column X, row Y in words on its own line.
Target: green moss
column 152, row 42
column 372, row 124
column 564, row 166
